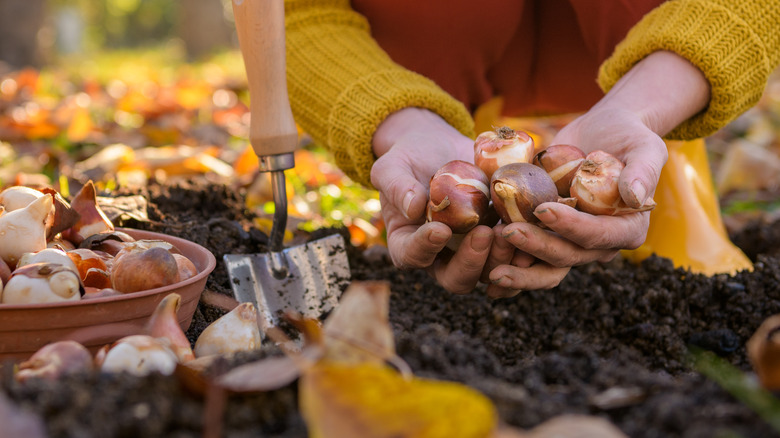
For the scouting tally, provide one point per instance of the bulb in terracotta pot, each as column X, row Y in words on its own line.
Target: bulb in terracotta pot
column 518, row 188
column 42, row 283
column 595, row 186
column 48, row 255
column 458, row 196
column 16, row 197
column 561, row 162
column 93, row 267
column 55, row 360
column 186, row 268
column 139, row 355
column 143, row 270
column 24, row 230
column 234, row 331
column 504, row 145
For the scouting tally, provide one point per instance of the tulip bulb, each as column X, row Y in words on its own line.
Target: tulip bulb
column 185, row 266
column 234, row 331
column 24, row 230
column 165, row 324
column 561, row 162
column 139, row 355
column 42, row 283
column 16, row 197
column 493, row 149
column 142, row 270
column 93, row 267
column 55, row 360
column 459, row 196
column 518, row 188
column 595, row 186
column 48, row 255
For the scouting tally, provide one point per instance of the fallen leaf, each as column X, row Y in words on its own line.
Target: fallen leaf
column 124, row 207
column 371, row 400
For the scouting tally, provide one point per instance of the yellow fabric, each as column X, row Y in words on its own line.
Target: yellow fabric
column 734, row 42
column 342, row 85
column 686, row 225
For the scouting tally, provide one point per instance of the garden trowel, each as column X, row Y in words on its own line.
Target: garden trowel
column 309, row 278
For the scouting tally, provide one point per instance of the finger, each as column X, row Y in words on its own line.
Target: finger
column 414, row 246
column 643, row 169
column 461, row 272
column 501, row 252
column 551, row 247
column 595, row 232
column 397, row 184
column 510, row 280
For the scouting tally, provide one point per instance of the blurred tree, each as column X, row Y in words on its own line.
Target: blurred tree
column 20, row 24
column 203, row 27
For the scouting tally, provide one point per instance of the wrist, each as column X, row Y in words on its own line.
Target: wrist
column 663, row 90
column 412, row 121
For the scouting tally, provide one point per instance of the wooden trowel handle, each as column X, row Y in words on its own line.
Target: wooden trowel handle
column 260, row 29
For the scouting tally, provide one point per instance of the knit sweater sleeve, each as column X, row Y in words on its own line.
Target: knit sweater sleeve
column 736, row 44
column 342, row 85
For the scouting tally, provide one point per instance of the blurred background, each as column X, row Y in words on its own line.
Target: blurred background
column 128, row 92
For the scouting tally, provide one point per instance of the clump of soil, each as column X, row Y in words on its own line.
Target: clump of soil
column 611, row 340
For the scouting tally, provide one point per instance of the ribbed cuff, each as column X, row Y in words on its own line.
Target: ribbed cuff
column 360, row 109
column 722, row 45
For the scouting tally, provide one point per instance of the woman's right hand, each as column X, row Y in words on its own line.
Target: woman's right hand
column 411, row 145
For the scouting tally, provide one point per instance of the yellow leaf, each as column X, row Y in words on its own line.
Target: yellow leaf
column 370, row 400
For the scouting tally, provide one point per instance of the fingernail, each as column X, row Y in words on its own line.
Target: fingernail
column 500, row 280
column 407, row 202
column 639, row 192
column 481, row 241
column 437, row 238
column 546, row 215
column 518, row 234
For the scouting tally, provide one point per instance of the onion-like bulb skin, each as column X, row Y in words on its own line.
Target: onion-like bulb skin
column 561, row 162
column 502, row 146
column 518, row 188
column 595, row 186
column 459, row 196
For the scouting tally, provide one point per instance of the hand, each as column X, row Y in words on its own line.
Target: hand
column 411, row 145
column 660, row 92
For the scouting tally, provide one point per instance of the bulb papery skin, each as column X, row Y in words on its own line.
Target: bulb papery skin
column 16, row 197
column 186, row 268
column 93, row 267
column 235, row 331
column 561, row 162
column 139, row 355
column 24, row 230
column 164, row 323
column 494, row 149
column 48, row 255
column 92, row 219
column 143, row 270
column 55, row 360
column 595, row 186
column 42, row 283
column 518, row 188
column 459, row 196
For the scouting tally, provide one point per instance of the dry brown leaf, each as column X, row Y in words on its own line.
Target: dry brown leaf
column 358, row 330
column 124, row 207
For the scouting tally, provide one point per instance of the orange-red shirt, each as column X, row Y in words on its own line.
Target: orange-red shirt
column 541, row 56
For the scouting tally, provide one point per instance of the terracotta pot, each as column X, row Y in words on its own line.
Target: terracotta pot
column 98, row 321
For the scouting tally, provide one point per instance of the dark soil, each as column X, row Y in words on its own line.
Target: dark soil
column 613, row 326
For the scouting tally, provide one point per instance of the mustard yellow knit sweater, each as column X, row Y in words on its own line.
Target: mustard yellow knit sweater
column 342, row 85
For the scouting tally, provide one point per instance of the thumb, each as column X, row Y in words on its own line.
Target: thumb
column 398, row 185
column 639, row 178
